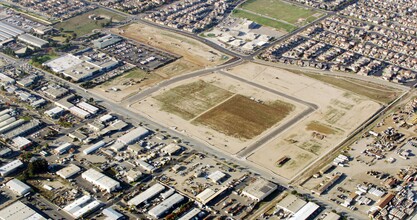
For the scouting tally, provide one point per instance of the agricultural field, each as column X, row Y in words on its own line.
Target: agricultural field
column 222, row 111
column 82, row 25
column 277, row 14
column 241, row 117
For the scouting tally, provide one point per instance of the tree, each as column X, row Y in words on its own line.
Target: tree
column 38, row 166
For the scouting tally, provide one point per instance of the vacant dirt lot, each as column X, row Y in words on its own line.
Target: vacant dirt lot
column 190, row 100
column 194, row 56
column 339, row 113
column 218, row 110
column 242, row 117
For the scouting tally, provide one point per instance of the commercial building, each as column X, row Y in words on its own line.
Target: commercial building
column 19, row 211
column 10, row 167
column 205, row 196
column 63, row 148
column 163, row 208
column 69, row 171
column 146, row 166
column 88, row 107
column 106, row 41
column 259, row 189
column 133, row 175
column 112, row 214
column 94, row 147
column 100, row 180
column 146, row 195
column 191, row 214
column 82, row 206
column 133, row 136
column 79, row 112
column 306, row 211
column 32, row 40
column 19, row 187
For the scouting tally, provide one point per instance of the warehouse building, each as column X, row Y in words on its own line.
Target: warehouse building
column 19, row 187
column 191, row 214
column 146, row 195
column 8, row 32
column 166, row 205
column 205, row 196
column 63, row 148
column 306, row 212
column 217, row 176
column 12, row 126
column 88, row 107
column 32, row 40
column 55, row 112
column 82, row 206
column 21, row 143
column 69, row 171
column 112, row 214
column 259, row 189
column 10, row 167
column 106, row 41
column 133, row 136
column 19, row 211
column 93, row 148
column 291, row 204
column 171, row 149
column 79, row 112
column 133, row 175
column 100, row 180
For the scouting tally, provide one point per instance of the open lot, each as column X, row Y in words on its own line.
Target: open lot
column 242, row 117
column 276, row 13
column 194, row 56
column 81, row 24
column 339, row 112
column 219, row 110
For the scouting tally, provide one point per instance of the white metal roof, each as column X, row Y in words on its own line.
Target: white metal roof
column 112, row 214
column 305, row 211
column 18, row 187
column 68, row 171
column 133, row 135
column 165, row 205
column 216, row 176
column 206, row 194
column 7, row 168
column 19, row 211
column 189, row 215
column 147, row 194
column 88, row 107
column 100, row 180
column 259, row 189
column 94, row 147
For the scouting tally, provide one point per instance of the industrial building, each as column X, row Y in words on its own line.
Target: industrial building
column 82, row 206
column 63, row 148
column 69, row 171
column 106, row 41
column 21, row 143
column 112, row 214
column 19, row 211
column 146, row 195
column 88, row 107
column 100, row 180
column 55, row 112
column 8, row 32
column 259, row 189
column 19, row 187
column 79, row 112
column 146, row 166
column 32, row 40
column 93, row 148
column 133, row 136
column 163, row 208
column 133, row 175
column 10, row 167
column 217, row 176
column 205, row 196
column 191, row 214
column 306, row 212
column 171, row 149
column 291, row 204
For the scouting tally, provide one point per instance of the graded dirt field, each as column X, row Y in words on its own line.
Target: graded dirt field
column 190, row 100
column 242, row 117
column 194, row 56
column 221, row 111
column 339, row 113
column 81, row 24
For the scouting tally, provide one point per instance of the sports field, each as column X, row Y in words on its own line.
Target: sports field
column 242, row 117
column 277, row 14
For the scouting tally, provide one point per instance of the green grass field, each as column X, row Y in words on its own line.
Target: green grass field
column 279, row 10
column 264, row 21
column 82, row 25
